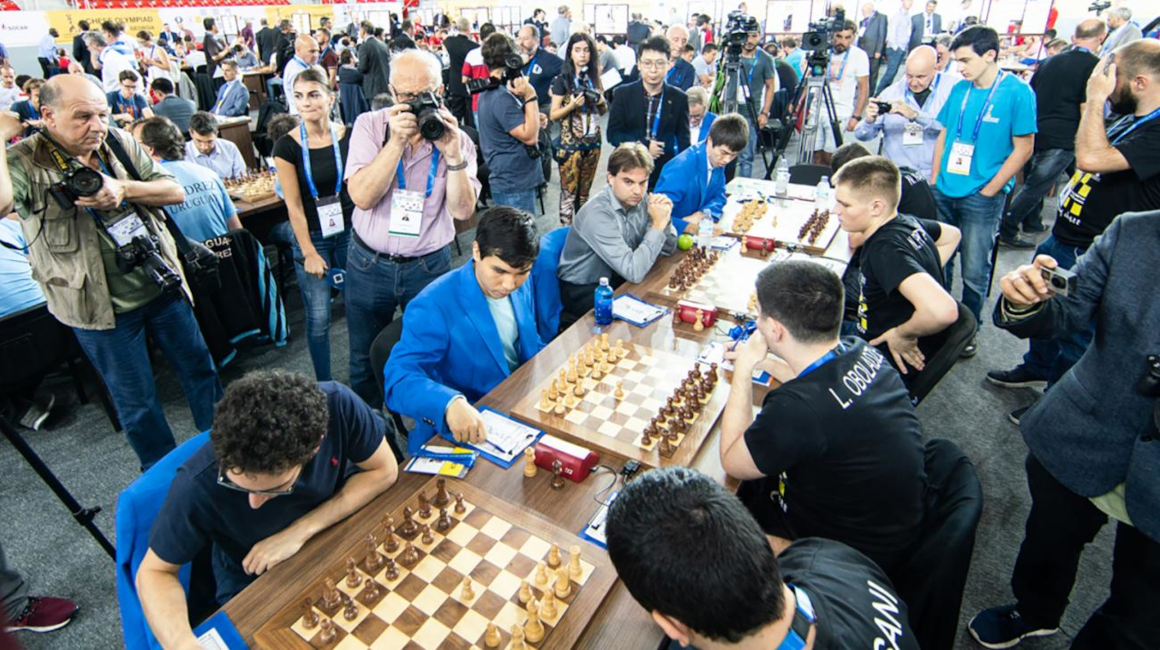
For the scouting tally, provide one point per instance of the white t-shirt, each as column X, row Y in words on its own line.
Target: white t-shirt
column 625, row 57
column 112, row 63
column 195, row 59
column 845, row 69
column 9, row 96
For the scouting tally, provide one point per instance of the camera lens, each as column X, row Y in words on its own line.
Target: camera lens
column 1058, row 282
column 85, row 182
column 431, row 125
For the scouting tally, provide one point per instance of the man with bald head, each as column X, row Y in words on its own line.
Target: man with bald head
column 681, row 74
column 74, row 243
column 911, row 128
column 305, row 55
column 1060, row 86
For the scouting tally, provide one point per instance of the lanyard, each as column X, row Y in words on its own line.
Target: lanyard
column 1147, row 118
column 1081, row 48
column 933, row 88
column 841, row 71
column 826, row 358
column 323, row 53
column 301, row 63
column 982, row 109
column 306, row 160
column 657, row 118
column 402, row 182
column 531, row 64
column 224, row 93
column 132, row 106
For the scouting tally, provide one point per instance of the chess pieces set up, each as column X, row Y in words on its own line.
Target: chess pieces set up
column 554, row 587
column 530, row 469
column 692, row 268
column 750, row 211
column 813, row 227
column 594, row 360
column 680, row 410
column 255, row 184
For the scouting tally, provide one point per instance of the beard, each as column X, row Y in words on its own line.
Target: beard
column 1126, row 104
column 839, row 48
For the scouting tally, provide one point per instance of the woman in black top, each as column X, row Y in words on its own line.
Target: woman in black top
column 320, row 209
column 577, row 104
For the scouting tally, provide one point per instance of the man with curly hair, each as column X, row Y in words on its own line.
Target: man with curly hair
column 287, row 458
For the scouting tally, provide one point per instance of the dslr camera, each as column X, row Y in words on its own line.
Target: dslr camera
column 1098, row 6
column 737, row 28
column 513, row 68
column 142, row 251
column 821, row 34
column 425, row 106
column 79, row 183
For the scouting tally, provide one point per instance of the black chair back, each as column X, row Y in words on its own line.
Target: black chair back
column 380, row 353
column 931, row 581
column 808, row 174
column 937, row 365
column 32, row 343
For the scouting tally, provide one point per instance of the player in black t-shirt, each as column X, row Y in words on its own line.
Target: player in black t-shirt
column 283, row 464
column 691, row 555
column 1118, row 171
column 836, row 450
column 902, row 301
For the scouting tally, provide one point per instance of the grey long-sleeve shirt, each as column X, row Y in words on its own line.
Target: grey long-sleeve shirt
column 608, row 241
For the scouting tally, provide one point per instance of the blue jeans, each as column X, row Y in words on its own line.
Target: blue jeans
column 122, row 357
column 316, row 297
column 375, row 286
column 1038, row 175
column 1049, row 359
column 893, row 61
column 745, row 156
column 977, row 216
column 524, row 199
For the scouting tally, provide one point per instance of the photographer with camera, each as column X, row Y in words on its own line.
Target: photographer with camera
column 411, row 174
column 849, row 76
column 650, row 111
column 509, row 125
column 89, row 197
column 577, row 104
column 1092, row 439
column 760, row 73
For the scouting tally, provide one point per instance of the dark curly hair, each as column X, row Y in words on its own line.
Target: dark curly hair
column 269, row 421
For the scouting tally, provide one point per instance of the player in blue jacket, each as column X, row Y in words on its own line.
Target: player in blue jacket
column 466, row 332
column 695, row 180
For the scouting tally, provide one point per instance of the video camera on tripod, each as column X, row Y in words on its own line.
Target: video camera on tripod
column 819, row 41
column 737, row 29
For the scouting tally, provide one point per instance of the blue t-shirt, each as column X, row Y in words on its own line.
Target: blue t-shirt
column 507, row 160
column 198, row 511
column 207, row 206
column 18, row 291
column 1011, row 113
column 134, row 106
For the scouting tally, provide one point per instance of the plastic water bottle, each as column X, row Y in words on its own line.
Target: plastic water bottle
column 603, row 307
column 822, row 193
column 782, row 178
column 705, row 231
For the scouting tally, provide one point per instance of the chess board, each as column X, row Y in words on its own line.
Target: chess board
column 257, row 187
column 728, row 283
column 608, row 423
column 496, row 544
column 782, row 221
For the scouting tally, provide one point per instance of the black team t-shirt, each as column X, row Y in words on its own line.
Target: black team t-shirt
column 854, row 602
column 842, row 452
column 198, row 511
column 1060, row 86
column 1091, row 201
column 899, row 249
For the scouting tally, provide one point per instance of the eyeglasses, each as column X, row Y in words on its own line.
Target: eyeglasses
column 129, row 86
column 658, row 64
column 226, row 483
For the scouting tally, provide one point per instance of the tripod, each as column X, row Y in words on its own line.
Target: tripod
column 730, row 92
column 812, row 96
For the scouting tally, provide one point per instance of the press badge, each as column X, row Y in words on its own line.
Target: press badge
column 330, row 216
column 912, row 135
column 406, row 213
column 960, row 159
column 126, row 229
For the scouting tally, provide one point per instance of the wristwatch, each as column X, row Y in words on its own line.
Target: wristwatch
column 455, row 168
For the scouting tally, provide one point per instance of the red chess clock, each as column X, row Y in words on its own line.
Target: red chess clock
column 759, row 243
column 576, row 462
column 687, row 310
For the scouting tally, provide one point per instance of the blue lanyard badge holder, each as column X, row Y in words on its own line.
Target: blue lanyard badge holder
column 407, row 205
column 330, row 218
column 962, row 152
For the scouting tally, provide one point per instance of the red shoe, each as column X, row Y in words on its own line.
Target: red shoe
column 44, row 614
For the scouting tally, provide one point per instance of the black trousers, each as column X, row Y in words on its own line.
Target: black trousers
column 577, row 300
column 1060, row 524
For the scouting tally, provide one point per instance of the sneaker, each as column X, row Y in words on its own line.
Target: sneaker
column 1017, row 377
column 1003, row 627
column 1034, row 228
column 1017, row 414
column 44, row 614
column 971, row 350
column 38, row 412
column 1016, row 242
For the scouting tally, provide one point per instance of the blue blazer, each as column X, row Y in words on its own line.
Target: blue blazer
column 235, row 102
column 687, row 183
column 706, row 123
column 450, row 346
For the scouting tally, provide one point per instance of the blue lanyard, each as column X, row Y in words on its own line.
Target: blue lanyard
column 841, row 70
column 657, row 118
column 132, row 106
column 531, row 64
column 1082, row 49
column 933, row 88
column 306, row 168
column 323, row 53
column 1147, row 118
column 402, row 182
column 301, row 63
column 982, row 109
column 829, row 356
